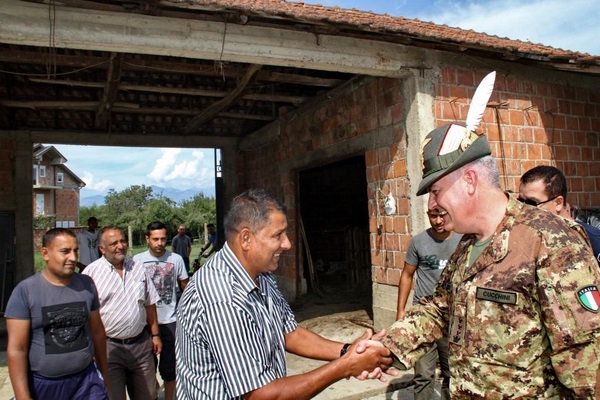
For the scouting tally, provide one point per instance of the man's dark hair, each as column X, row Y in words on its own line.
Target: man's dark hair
column 210, row 225
column 554, row 180
column 90, row 219
column 155, row 226
column 51, row 234
column 251, row 210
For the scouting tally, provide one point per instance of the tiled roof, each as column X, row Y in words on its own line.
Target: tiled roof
column 347, row 20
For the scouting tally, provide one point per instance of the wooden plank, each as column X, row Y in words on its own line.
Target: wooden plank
column 25, row 23
column 224, row 103
column 111, row 88
column 173, row 90
column 121, row 107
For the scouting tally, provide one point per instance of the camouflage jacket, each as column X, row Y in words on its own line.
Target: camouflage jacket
column 522, row 322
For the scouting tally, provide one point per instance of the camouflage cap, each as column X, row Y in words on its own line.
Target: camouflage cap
column 446, row 149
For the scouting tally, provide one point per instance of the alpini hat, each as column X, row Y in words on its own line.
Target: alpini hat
column 446, row 149
column 449, row 147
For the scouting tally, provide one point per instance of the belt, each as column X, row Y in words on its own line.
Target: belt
column 128, row 340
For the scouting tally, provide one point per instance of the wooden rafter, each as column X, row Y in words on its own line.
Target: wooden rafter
column 136, row 64
column 120, row 107
column 111, row 88
column 223, row 104
column 296, row 100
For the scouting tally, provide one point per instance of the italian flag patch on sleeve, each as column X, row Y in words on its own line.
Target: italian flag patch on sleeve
column 589, row 297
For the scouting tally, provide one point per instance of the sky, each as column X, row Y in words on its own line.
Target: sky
column 104, row 168
column 565, row 24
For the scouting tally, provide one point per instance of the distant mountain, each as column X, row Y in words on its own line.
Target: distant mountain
column 174, row 194
column 91, row 200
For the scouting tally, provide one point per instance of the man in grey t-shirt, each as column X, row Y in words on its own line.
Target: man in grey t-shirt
column 56, row 340
column 427, row 255
column 182, row 245
column 167, row 270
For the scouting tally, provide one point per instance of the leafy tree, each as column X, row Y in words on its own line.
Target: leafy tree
column 124, row 208
column 196, row 212
column 137, row 206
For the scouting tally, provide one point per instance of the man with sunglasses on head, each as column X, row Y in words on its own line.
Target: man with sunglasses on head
column 427, row 255
column 545, row 187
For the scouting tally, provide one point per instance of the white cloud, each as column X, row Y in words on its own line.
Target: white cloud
column 164, row 164
column 91, row 184
column 182, row 169
column 570, row 25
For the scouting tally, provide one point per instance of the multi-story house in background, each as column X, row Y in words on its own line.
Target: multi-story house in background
column 55, row 188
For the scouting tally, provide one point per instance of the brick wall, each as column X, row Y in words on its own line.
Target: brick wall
column 537, row 123
column 373, row 105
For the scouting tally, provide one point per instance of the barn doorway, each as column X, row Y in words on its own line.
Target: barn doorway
column 335, row 219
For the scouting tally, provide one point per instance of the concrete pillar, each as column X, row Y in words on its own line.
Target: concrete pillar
column 418, row 93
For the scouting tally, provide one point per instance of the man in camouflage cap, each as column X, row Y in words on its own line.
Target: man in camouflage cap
column 519, row 298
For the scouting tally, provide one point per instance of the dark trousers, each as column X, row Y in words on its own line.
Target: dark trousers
column 131, row 366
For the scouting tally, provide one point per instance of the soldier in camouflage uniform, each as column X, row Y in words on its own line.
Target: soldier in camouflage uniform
column 519, row 298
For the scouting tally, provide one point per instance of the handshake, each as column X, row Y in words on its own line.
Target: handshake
column 367, row 358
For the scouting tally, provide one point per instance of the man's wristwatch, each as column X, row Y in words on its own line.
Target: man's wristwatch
column 344, row 349
column 155, row 334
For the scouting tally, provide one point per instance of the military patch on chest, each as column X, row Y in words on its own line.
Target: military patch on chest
column 589, row 297
column 497, row 296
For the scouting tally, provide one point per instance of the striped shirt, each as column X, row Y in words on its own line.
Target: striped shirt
column 230, row 333
column 122, row 301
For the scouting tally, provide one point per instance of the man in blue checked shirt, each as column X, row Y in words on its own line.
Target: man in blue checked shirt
column 234, row 326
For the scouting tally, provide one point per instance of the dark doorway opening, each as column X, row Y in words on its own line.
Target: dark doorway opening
column 335, row 218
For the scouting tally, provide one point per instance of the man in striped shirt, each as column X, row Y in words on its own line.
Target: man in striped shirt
column 128, row 310
column 234, row 326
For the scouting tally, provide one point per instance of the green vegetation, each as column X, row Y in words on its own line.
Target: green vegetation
column 137, row 206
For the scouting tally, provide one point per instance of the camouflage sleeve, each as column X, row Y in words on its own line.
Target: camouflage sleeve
column 411, row 338
column 569, row 280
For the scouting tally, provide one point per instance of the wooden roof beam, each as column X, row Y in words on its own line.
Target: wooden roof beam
column 111, row 88
column 25, row 23
column 276, row 98
column 223, row 104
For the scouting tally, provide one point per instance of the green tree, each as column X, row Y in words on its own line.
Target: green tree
column 125, row 209
column 196, row 212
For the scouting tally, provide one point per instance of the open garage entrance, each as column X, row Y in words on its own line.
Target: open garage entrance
column 334, row 212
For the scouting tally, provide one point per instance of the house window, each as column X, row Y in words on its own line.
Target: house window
column 42, row 171
column 35, row 174
column 60, row 177
column 39, row 204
